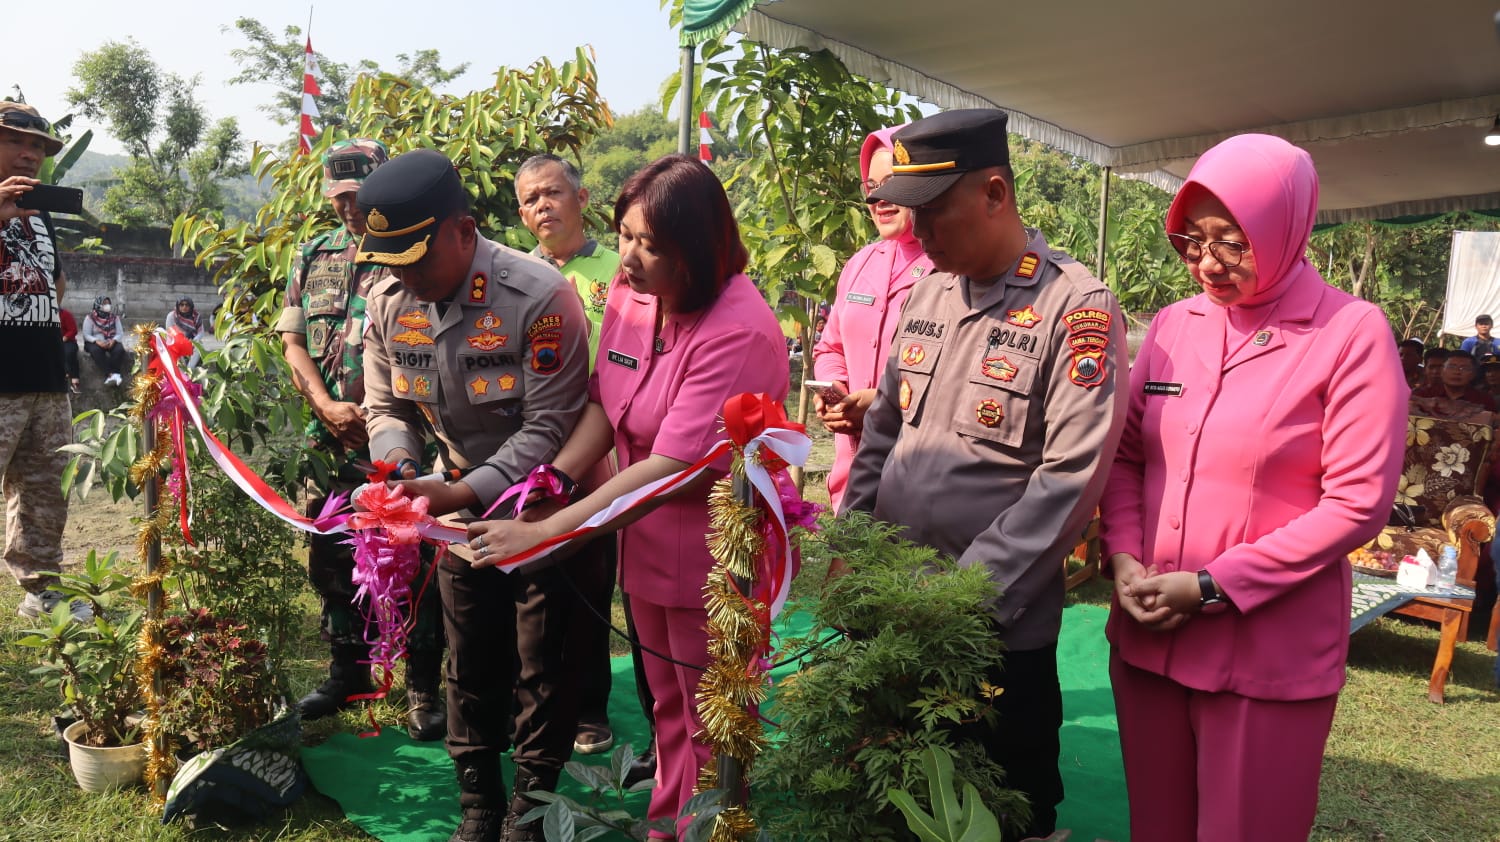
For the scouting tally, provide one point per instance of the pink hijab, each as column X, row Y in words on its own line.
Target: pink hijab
column 1271, row 189
column 881, row 139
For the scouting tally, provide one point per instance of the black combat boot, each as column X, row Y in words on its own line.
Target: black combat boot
column 426, row 716
column 346, row 677
column 644, row 766
column 481, row 794
column 527, row 780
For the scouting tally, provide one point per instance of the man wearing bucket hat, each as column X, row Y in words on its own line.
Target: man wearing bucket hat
column 489, row 347
column 322, row 333
column 34, row 416
column 1002, row 397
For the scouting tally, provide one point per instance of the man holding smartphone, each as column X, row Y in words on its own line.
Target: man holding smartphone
column 33, row 397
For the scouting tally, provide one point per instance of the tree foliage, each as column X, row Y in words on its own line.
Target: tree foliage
column 268, row 59
column 616, row 153
column 177, row 157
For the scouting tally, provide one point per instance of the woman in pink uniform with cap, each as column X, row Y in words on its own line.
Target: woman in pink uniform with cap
column 684, row 330
column 866, row 309
column 1264, row 441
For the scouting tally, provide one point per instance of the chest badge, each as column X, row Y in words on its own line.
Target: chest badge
column 998, row 368
column 414, row 319
column 1262, row 338
column 918, row 271
column 506, row 382
column 1024, row 317
column 487, row 339
column 480, row 386
column 913, row 354
column 989, row 412
column 904, row 395
column 412, row 338
column 1027, row 267
column 421, row 387
column 401, row 384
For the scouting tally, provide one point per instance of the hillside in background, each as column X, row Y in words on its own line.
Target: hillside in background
column 94, row 172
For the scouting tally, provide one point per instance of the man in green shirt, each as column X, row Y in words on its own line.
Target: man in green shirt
column 552, row 198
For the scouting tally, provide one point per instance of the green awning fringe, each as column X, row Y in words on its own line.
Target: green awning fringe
column 704, row 20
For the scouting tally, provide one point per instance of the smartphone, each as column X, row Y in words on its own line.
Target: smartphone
column 830, row 391
column 51, row 198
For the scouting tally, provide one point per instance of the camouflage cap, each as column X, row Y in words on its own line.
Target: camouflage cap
column 348, row 162
column 20, row 117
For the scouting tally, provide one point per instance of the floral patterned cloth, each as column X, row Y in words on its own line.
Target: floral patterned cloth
column 1444, row 459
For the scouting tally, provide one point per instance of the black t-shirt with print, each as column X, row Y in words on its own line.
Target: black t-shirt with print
column 31, row 350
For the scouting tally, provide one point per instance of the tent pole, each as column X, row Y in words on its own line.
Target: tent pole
column 686, row 119
column 1103, row 221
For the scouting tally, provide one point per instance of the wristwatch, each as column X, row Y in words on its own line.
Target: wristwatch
column 1210, row 601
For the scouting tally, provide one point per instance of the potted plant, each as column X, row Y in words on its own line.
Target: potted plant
column 93, row 667
column 218, row 683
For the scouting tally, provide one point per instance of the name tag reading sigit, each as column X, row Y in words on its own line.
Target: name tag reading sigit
column 624, row 359
column 1157, row 387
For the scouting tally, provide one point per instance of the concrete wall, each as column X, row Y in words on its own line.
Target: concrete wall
column 141, row 288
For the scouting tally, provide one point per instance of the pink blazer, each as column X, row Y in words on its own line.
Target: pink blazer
column 1264, row 469
column 671, row 402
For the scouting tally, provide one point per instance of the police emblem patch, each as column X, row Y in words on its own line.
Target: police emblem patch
column 998, row 368
column 401, row 384
column 414, row 319
column 506, row 382
column 487, row 341
column 905, row 394
column 480, row 386
column 545, row 357
column 989, row 412
column 1024, row 317
column 376, row 221
column 913, row 354
column 899, row 153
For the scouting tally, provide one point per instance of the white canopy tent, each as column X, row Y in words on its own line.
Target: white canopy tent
column 1473, row 280
column 1391, row 97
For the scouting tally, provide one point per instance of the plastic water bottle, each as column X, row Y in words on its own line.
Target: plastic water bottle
column 1447, row 569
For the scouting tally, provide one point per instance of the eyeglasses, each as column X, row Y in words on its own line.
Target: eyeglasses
column 1229, row 254
column 870, row 185
column 22, row 120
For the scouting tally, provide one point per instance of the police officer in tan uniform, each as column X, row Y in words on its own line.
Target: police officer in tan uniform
column 996, row 417
column 488, row 347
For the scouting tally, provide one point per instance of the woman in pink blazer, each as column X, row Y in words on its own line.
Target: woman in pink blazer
column 866, row 309
column 1264, row 441
column 684, row 330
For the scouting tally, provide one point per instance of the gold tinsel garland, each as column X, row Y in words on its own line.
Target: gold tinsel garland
column 146, row 392
column 733, row 685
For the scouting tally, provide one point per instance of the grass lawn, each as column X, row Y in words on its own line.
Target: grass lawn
column 1398, row 769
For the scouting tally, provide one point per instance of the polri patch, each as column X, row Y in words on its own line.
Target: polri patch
column 414, row 319
column 989, row 412
column 1088, row 339
column 546, row 357
column 550, row 323
column 904, row 394
column 623, row 359
column 401, row 385
column 913, row 354
column 860, row 298
column 1160, row 387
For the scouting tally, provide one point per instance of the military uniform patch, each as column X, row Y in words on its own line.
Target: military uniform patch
column 421, row 387
column 506, row 382
column 412, row 338
column 905, row 394
column 545, row 356
column 477, row 287
column 998, row 368
column 480, row 386
column 1088, row 339
column 1024, row 317
column 401, row 384
column 989, row 412
column 550, row 323
column 913, row 354
column 1027, row 267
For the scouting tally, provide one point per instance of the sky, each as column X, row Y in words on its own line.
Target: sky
column 635, row 50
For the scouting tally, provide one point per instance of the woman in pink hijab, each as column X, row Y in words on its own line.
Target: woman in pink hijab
column 866, row 308
column 1264, row 440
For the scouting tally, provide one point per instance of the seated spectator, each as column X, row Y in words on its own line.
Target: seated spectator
column 102, row 332
column 1457, row 384
column 70, row 348
column 184, row 317
column 1410, row 351
column 1432, row 366
column 1490, row 377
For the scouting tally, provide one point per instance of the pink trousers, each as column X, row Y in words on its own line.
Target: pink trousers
column 1217, row 767
column 681, row 634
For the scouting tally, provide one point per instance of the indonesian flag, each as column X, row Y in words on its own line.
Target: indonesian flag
column 310, row 89
column 704, row 141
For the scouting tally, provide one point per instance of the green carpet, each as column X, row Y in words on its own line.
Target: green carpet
column 402, row 791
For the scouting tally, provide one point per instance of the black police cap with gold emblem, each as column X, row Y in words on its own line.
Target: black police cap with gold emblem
column 930, row 155
column 404, row 203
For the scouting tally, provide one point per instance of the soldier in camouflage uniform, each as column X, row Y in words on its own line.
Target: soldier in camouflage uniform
column 322, row 331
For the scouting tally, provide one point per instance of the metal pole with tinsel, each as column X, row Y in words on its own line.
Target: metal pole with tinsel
column 753, row 565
